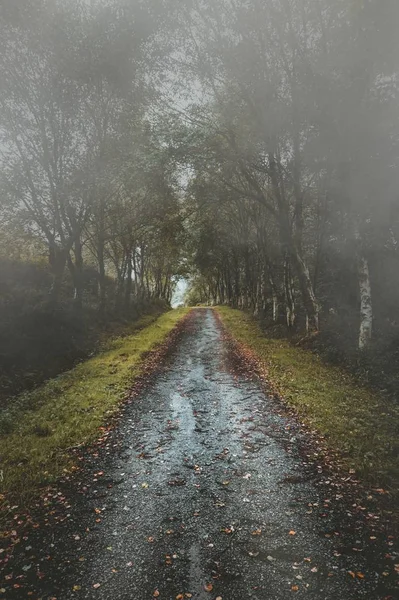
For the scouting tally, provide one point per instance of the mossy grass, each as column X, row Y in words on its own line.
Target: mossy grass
column 354, row 420
column 67, row 411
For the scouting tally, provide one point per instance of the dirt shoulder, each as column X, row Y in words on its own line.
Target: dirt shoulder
column 354, row 426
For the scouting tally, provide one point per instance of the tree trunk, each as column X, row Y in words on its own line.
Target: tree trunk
column 289, row 246
column 128, row 288
column 366, row 306
column 101, row 283
column 101, row 275
column 307, row 293
column 78, row 276
column 101, row 255
column 57, row 261
column 289, row 295
column 275, row 302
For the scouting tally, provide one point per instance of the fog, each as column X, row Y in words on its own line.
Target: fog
column 199, row 292
column 248, row 147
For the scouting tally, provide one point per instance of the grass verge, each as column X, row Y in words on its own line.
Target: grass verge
column 67, row 411
column 357, row 422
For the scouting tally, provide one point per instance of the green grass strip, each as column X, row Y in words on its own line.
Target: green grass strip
column 68, row 410
column 356, row 421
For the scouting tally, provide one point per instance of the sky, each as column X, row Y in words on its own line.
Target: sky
column 178, row 296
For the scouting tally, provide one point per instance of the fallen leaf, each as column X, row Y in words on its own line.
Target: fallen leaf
column 228, row 530
column 208, row 587
column 257, row 532
column 76, row 588
column 292, row 532
column 156, row 594
column 295, row 588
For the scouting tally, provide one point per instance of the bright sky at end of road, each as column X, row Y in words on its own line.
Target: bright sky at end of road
column 178, row 296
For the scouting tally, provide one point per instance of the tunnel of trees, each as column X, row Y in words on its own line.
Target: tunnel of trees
column 250, row 147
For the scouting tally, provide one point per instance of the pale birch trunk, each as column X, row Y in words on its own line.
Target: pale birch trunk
column 289, row 295
column 275, row 302
column 308, row 295
column 366, row 306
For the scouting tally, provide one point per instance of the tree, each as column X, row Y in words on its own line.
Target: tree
column 300, row 99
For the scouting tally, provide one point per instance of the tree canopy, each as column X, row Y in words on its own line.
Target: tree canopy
column 251, row 147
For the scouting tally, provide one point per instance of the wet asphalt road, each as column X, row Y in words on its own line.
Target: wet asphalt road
column 209, row 497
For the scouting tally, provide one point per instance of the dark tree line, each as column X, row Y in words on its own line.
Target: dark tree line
column 294, row 194
column 91, row 228
column 85, row 174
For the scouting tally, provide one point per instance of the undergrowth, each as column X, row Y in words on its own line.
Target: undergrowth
column 354, row 420
column 43, row 425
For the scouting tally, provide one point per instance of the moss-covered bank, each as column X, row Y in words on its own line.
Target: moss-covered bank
column 67, row 411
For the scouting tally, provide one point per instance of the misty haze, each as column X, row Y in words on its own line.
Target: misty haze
column 199, row 298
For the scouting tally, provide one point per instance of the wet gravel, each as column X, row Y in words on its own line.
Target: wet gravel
column 205, row 495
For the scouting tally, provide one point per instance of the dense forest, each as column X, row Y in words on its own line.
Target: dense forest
column 250, row 147
column 91, row 226
column 295, row 171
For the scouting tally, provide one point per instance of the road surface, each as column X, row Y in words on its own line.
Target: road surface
column 205, row 494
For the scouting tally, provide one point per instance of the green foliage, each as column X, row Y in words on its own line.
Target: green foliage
column 67, row 411
column 358, row 423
